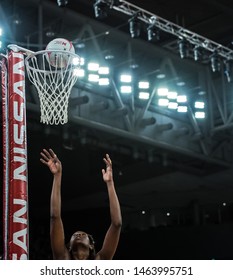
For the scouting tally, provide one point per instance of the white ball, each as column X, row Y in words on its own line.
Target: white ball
column 56, row 58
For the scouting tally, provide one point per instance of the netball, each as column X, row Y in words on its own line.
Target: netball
column 58, row 52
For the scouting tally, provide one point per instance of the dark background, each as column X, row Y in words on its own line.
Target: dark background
column 180, row 178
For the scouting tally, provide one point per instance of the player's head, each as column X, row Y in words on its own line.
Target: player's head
column 81, row 239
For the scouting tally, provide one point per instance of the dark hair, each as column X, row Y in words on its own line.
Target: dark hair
column 92, row 252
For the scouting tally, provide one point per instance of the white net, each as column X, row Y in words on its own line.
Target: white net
column 53, row 78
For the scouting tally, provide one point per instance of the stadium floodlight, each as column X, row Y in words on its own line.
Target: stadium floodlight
column 92, row 66
column 181, row 98
column 93, row 78
column 126, row 89
column 79, row 72
column 143, row 85
column 144, row 95
column 124, row 78
column 172, row 105
column 199, row 105
column 182, row 109
column 172, row 95
column 162, row 91
column 199, row 115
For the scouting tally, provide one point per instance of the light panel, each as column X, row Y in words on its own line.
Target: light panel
column 126, row 89
column 92, row 66
column 143, row 85
column 93, row 78
column 162, row 91
column 144, row 95
column 182, row 109
column 124, row 78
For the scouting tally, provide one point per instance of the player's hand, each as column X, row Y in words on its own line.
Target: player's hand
column 107, row 172
column 50, row 159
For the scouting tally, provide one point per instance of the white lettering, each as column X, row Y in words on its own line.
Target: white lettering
column 20, row 151
column 22, row 257
column 19, row 136
column 17, row 66
column 18, row 115
column 18, row 214
column 17, row 89
column 21, row 234
column 18, row 171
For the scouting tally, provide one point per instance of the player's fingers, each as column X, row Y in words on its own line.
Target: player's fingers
column 43, row 161
column 44, row 156
column 46, row 153
column 52, row 153
column 108, row 158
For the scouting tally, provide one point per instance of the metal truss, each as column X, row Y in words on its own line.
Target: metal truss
column 169, row 27
column 146, row 125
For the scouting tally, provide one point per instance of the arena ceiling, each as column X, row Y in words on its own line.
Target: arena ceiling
column 163, row 161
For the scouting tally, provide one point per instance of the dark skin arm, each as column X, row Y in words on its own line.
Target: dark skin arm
column 57, row 237
column 113, row 234
column 56, row 226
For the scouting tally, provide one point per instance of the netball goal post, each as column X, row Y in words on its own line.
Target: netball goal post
column 53, row 85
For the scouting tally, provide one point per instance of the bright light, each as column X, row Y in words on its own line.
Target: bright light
column 126, row 89
column 82, row 61
column 199, row 115
column 182, row 109
column 181, row 98
column 168, row 214
column 143, row 85
column 1, row 32
column 144, row 95
column 103, row 81
column 172, row 95
column 126, row 78
column 78, row 61
column 199, row 105
column 162, row 91
column 172, row 105
column 93, row 78
column 161, row 76
column 163, row 102
column 104, row 70
column 93, row 66
column 79, row 72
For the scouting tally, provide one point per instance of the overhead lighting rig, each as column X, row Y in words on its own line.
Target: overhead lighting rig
column 153, row 33
column 100, row 9
column 183, row 48
column 164, row 25
column 134, row 26
column 62, row 3
column 215, row 62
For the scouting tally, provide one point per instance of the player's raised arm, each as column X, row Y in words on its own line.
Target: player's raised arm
column 49, row 158
column 113, row 234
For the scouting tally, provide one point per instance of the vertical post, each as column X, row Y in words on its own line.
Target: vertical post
column 5, row 148
column 18, row 177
